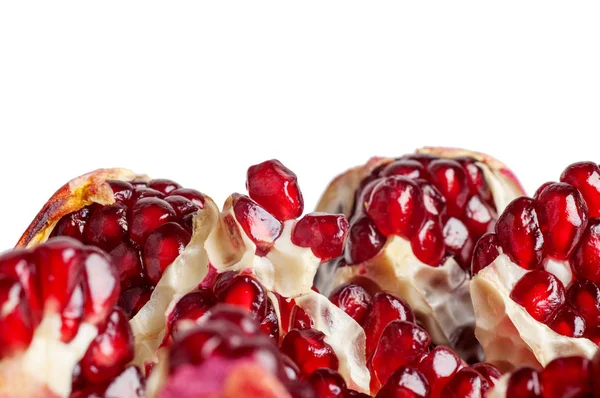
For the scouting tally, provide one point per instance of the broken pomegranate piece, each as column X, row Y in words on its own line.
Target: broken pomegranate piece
column 535, row 291
column 414, row 222
column 58, row 320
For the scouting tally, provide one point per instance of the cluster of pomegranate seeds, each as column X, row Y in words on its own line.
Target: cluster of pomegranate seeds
column 442, row 206
column 144, row 231
column 399, row 353
column 555, row 236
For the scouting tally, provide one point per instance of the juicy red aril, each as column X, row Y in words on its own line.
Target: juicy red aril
column 16, row 325
column 540, row 293
column 353, row 299
column 130, row 383
column 193, row 306
column 141, row 192
column 477, row 180
column 401, row 343
column 585, row 176
column 355, row 394
column 299, row 319
column 122, row 190
column 451, row 180
column 403, row 379
column 275, row 187
column 568, row 322
column 386, row 308
column 327, row 383
column 524, row 383
column 245, row 292
column 396, row 207
column 585, row 296
column 458, row 241
column 478, row 216
column 519, row 234
column 162, row 247
column 269, row 325
column 260, row 225
column 147, row 214
column 102, row 286
column 129, row 259
column 163, row 185
column 196, row 197
column 466, row 383
column 182, row 206
column 438, row 366
column 562, row 215
column 364, row 241
column 308, row 349
column 235, row 316
column 106, row 226
column 490, row 372
column 202, row 342
column 325, row 234
column 404, row 167
column 586, row 259
column 485, row 252
column 566, row 377
column 428, row 245
column 132, row 300
column 110, row 351
column 435, row 203
column 72, row 224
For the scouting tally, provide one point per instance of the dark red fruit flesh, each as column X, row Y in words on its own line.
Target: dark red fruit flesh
column 146, row 229
column 308, row 349
column 524, row 383
column 466, row 383
column 540, row 293
column 327, row 383
column 585, row 176
column 325, row 234
column 364, row 241
column 567, row 377
column 405, row 380
column 353, row 299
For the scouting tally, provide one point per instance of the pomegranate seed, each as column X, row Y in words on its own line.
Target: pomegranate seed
column 405, row 378
column 122, row 190
column 299, row 320
column 201, row 343
column 129, row 260
column 364, row 241
column 363, row 193
column 353, row 299
column 466, row 383
column 245, row 292
column 290, row 368
column 234, row 316
column 458, row 241
column 72, row 224
column 428, row 245
column 477, row 180
column 355, row 394
column 193, row 306
column 396, row 207
column 435, row 203
column 110, row 351
column 595, row 370
column 486, row 251
column 269, row 325
column 566, row 377
column 386, row 308
column 182, row 206
column 325, row 234
column 401, row 344
column 490, row 372
column 422, row 158
column 258, row 224
column 132, row 300
column 587, row 256
column 404, row 167
column 438, row 366
column 18, row 264
column 585, row 176
column 130, row 383
column 142, row 192
column 102, row 281
column 147, row 215
column 308, row 349
column 568, row 322
column 275, row 187
column 260, row 352
column 16, row 323
column 584, row 295
column 106, row 226
column 450, row 179
column 327, row 383
column 562, row 215
column 524, row 383
column 519, row 234
column 540, row 293
column 162, row 247
column 163, row 185
column 196, row 197
column 479, row 218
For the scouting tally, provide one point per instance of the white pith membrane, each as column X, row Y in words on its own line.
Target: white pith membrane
column 509, row 335
column 439, row 296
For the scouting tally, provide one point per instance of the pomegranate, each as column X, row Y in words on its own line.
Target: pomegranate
column 536, row 292
column 414, row 224
column 60, row 332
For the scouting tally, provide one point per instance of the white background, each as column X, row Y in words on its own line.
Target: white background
column 197, row 91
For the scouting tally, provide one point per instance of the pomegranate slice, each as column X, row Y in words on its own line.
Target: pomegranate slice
column 536, row 291
column 57, row 303
column 414, row 224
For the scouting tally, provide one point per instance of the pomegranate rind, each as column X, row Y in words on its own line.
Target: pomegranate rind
column 510, row 336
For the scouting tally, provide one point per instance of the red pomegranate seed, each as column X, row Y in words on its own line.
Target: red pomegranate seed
column 403, row 379
column 479, row 218
column 308, row 349
column 595, row 370
column 146, row 215
column 182, row 206
column 466, row 383
column 566, row 377
column 72, row 315
column 524, row 383
column 450, row 179
column 259, row 225
column 237, row 317
column 587, row 256
column 435, row 203
column 163, row 185
column 458, row 241
column 568, row 322
column 593, row 333
column 405, row 168
column 485, row 252
column 141, row 192
column 422, row 158
column 129, row 262
column 364, row 241
column 245, row 292
column 363, row 193
column 477, row 180
column 275, row 187
column 193, row 306
column 428, row 245
column 162, row 247
column 325, row 234
column 299, row 320
column 16, row 323
column 269, row 325
column 386, row 308
column 19, row 264
column 353, row 299
column 202, row 342
column 438, row 366
column 196, row 197
column 110, row 351
column 130, row 383
column 396, row 207
column 562, row 215
column 401, row 344
column 103, row 288
column 519, row 234
column 354, row 394
column 327, row 383
column 290, row 368
column 584, row 295
column 585, row 176
column 72, row 224
column 132, row 300
column 540, row 293
column 122, row 190
column 490, row 372
column 106, row 226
